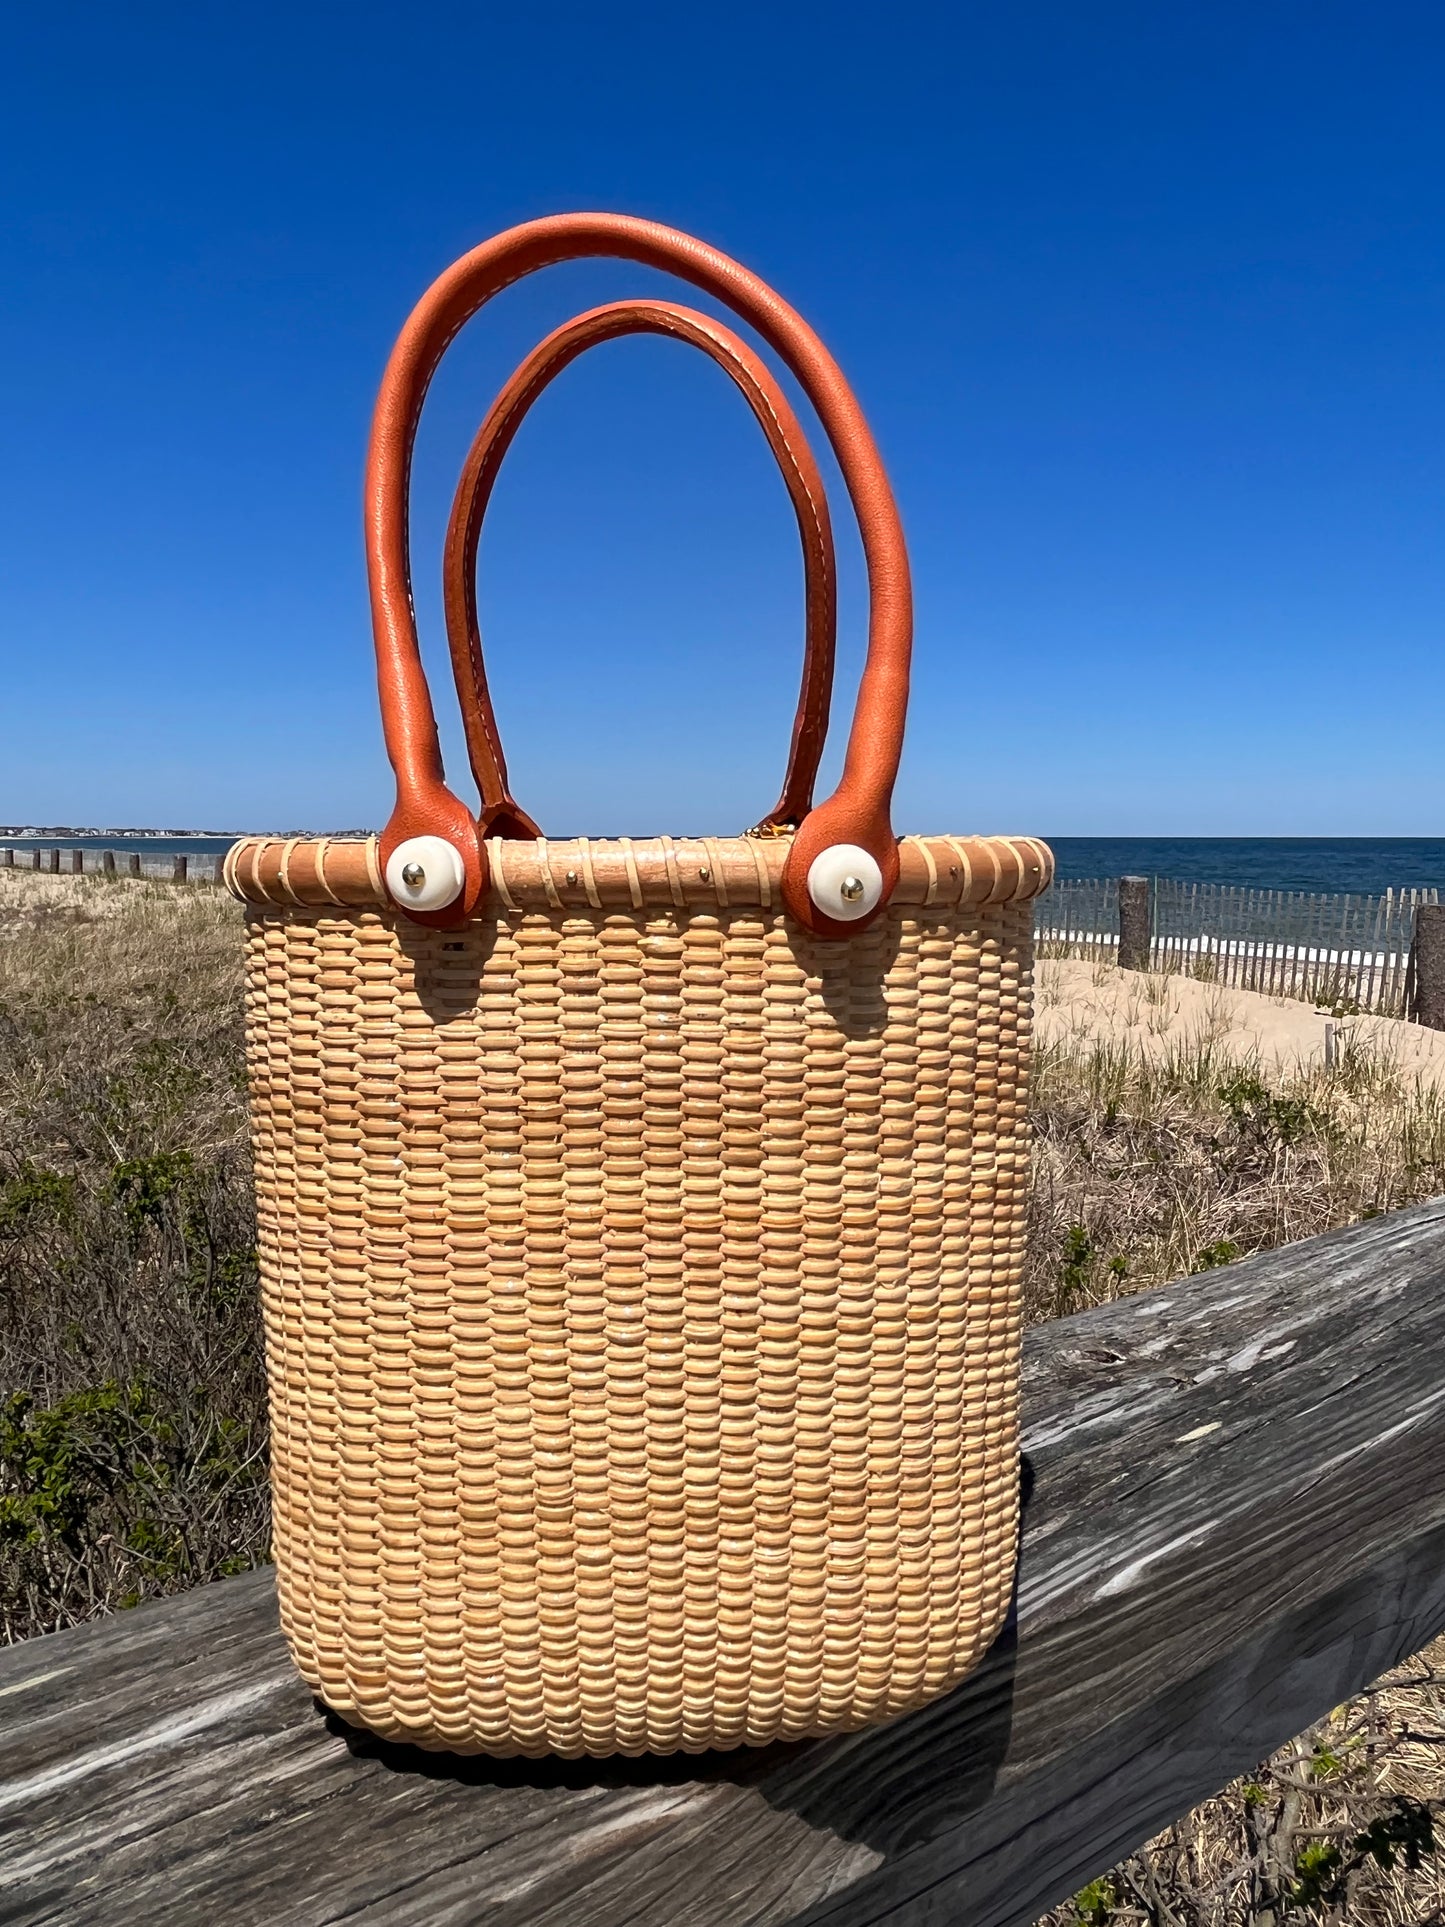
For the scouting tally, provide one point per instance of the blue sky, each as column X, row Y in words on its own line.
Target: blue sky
column 1146, row 306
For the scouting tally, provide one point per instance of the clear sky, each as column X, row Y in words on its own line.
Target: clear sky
column 1146, row 305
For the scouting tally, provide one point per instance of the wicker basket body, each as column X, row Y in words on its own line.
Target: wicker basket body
column 641, row 1288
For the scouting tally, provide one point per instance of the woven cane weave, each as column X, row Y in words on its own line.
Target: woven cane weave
column 641, row 1282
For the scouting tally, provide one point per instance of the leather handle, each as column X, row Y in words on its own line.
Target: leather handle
column 858, row 810
column 501, row 815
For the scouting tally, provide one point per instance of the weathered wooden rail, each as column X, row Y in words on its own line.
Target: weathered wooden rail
column 1236, row 1520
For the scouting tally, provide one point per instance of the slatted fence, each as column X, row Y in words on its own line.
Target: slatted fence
column 1350, row 952
column 163, row 865
column 1079, row 918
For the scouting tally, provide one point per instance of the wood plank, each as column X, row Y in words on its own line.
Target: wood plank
column 1237, row 1519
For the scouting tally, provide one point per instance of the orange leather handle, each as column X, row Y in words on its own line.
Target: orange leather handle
column 501, row 815
column 858, row 810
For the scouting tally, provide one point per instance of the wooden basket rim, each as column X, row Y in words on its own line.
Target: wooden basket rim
column 626, row 874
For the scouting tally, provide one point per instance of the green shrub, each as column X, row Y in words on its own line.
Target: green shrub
column 132, row 1437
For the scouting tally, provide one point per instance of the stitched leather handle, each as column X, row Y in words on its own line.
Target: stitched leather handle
column 858, row 810
column 501, row 815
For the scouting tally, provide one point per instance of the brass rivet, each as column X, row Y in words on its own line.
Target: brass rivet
column 413, row 876
column 704, row 873
column 572, row 876
column 953, row 870
column 852, row 889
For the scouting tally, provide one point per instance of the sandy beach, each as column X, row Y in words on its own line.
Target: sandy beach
column 1085, row 1003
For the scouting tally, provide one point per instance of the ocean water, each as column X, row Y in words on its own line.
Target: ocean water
column 1360, row 865
column 1365, row 866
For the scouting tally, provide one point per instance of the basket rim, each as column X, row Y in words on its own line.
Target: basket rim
column 635, row 873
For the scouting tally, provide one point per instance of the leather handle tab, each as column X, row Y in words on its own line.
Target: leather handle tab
column 858, row 810
column 501, row 815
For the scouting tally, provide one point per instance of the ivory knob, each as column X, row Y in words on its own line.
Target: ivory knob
column 425, row 873
column 845, row 882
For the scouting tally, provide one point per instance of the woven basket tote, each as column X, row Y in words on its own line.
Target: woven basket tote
column 640, row 1221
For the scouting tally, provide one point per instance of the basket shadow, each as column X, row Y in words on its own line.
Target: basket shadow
column 447, row 969
column 891, row 1787
column 850, row 978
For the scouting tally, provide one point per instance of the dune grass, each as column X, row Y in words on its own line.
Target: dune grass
column 132, row 1436
column 132, row 1433
column 1153, row 1163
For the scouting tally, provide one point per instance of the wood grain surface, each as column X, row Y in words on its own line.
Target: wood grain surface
column 1235, row 1518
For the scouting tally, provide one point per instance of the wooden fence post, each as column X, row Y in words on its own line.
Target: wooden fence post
column 220, row 873
column 55, row 863
column 77, row 862
column 1427, row 966
column 9, row 859
column 107, row 863
column 134, row 865
column 35, row 859
column 179, row 874
column 1134, row 923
